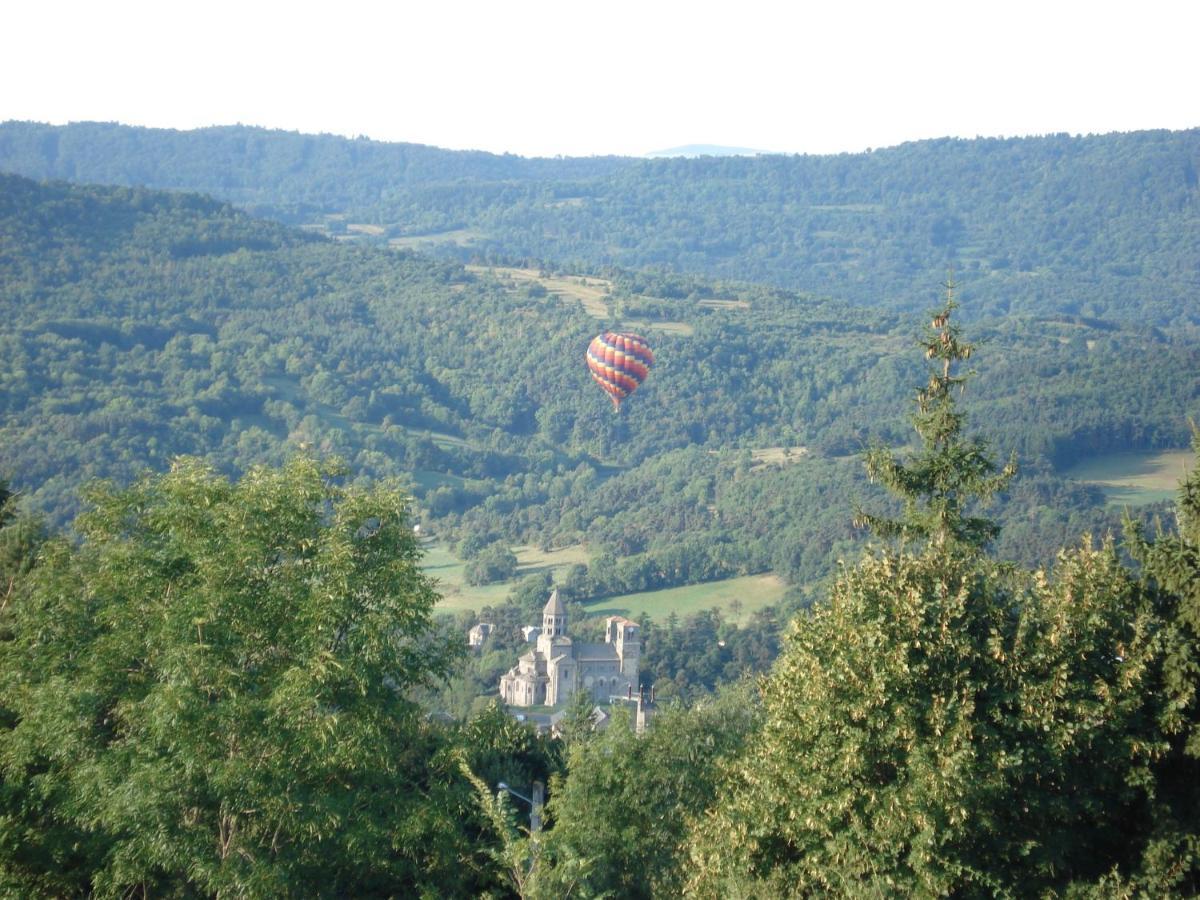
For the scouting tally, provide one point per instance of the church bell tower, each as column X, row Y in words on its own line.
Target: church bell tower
column 554, row 617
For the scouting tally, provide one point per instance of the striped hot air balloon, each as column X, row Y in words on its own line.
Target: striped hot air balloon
column 619, row 361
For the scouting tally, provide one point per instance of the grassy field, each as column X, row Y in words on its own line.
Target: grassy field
column 460, row 237
column 592, row 293
column 752, row 591
column 776, row 456
column 724, row 304
column 667, row 327
column 447, row 568
column 1132, row 479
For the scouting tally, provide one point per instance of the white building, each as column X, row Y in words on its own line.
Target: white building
column 557, row 667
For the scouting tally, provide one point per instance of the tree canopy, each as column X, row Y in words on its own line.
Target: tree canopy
column 944, row 723
column 211, row 690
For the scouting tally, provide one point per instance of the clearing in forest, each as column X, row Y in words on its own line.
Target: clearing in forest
column 682, row 329
column 591, row 292
column 737, row 598
column 440, row 562
column 460, row 237
column 723, row 304
column 1135, row 478
column 776, row 456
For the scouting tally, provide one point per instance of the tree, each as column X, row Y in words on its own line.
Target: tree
column 1170, row 575
column 950, row 471
column 209, row 694
column 20, row 536
column 622, row 810
column 496, row 563
column 942, row 723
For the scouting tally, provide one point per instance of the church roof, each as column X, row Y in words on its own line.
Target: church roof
column 593, row 652
column 554, row 606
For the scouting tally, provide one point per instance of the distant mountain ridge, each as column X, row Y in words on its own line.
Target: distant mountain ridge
column 1096, row 226
column 691, row 151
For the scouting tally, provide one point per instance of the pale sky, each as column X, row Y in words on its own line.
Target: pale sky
column 578, row 78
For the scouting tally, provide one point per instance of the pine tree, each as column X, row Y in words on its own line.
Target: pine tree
column 942, row 723
column 940, row 483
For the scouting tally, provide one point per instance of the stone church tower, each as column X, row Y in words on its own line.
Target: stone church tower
column 554, row 617
column 558, row 667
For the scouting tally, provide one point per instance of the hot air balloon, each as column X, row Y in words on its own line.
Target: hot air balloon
column 619, row 361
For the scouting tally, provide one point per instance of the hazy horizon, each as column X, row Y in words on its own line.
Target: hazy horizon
column 543, row 79
column 677, row 150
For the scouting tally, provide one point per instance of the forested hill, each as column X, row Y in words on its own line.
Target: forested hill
column 277, row 173
column 142, row 324
column 1101, row 226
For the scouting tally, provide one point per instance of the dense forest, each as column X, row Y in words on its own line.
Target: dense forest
column 215, row 690
column 224, row 672
column 142, row 325
column 1097, row 226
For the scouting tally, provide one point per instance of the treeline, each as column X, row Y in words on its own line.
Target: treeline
column 1097, row 226
column 278, row 174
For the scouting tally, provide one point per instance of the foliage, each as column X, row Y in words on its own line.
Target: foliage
column 1170, row 571
column 496, row 563
column 938, row 727
column 689, row 658
column 1171, row 567
column 21, row 534
column 945, row 724
column 127, row 345
column 1097, row 225
column 949, row 472
column 623, row 808
column 208, row 695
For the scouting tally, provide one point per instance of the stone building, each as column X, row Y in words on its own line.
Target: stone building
column 557, row 667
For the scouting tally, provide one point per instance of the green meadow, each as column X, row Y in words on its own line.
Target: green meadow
column 441, row 563
column 737, row 598
column 1134, row 479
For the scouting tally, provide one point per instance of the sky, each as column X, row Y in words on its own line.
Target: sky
column 583, row 78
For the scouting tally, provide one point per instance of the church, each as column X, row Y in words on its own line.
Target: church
column 557, row 667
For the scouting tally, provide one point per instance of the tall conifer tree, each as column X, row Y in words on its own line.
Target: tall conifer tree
column 943, row 724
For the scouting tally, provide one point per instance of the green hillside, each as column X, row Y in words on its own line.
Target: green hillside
column 1095, row 226
column 141, row 325
column 242, row 669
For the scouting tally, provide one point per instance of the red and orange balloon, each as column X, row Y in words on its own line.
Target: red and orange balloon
column 620, row 362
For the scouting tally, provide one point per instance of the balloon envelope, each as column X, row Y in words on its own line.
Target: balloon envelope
column 620, row 362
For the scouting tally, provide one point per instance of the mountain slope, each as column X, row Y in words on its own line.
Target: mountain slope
column 141, row 324
column 1104, row 225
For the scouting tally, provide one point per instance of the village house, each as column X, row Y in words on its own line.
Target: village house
column 478, row 634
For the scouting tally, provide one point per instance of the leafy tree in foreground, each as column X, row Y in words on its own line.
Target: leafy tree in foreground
column 944, row 724
column 207, row 696
column 1171, row 578
column 620, row 815
column 20, row 536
